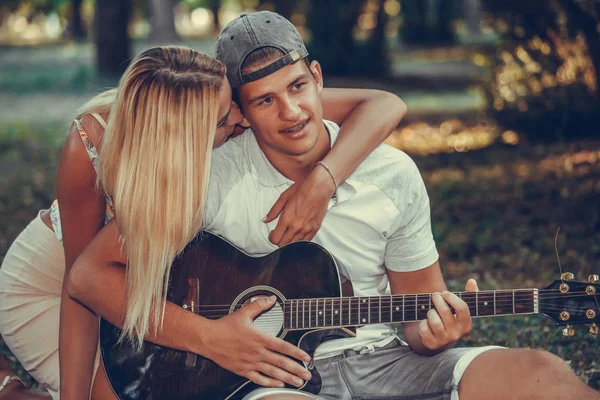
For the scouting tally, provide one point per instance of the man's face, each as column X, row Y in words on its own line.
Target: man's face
column 229, row 115
column 285, row 109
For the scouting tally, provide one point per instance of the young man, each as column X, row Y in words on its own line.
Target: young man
column 377, row 227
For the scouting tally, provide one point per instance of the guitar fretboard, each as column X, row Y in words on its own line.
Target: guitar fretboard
column 356, row 311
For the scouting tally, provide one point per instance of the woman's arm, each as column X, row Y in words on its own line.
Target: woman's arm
column 367, row 118
column 98, row 280
column 82, row 216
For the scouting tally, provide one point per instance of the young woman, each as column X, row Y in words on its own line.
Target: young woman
column 32, row 285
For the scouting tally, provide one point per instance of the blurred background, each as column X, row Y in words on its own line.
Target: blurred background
column 503, row 109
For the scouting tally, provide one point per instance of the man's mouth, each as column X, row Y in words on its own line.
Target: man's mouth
column 296, row 127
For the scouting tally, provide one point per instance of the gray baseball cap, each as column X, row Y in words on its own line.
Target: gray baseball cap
column 250, row 32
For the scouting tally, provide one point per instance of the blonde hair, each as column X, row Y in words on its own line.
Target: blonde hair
column 155, row 163
column 101, row 104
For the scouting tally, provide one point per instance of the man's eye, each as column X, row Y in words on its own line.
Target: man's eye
column 266, row 101
column 298, row 86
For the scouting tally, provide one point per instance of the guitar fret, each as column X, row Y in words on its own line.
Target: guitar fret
column 349, row 302
column 486, row 303
column 380, row 299
column 477, row 304
column 403, row 303
column 303, row 314
column 358, row 315
column 391, row 308
column 324, row 313
column 423, row 301
column 369, row 310
column 416, row 308
column 361, row 319
column 494, row 302
column 332, row 301
column 513, row 301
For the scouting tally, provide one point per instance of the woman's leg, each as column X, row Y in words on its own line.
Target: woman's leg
column 30, row 288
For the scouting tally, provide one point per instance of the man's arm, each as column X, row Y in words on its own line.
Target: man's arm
column 98, row 279
column 441, row 328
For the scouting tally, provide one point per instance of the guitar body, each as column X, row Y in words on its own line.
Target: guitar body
column 222, row 275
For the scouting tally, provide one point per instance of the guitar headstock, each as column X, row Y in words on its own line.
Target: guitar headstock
column 568, row 302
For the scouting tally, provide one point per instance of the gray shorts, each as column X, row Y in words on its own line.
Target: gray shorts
column 393, row 372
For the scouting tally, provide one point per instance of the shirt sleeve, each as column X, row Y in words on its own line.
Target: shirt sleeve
column 411, row 247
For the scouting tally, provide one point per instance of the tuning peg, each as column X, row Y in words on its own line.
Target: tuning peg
column 594, row 329
column 567, row 276
column 593, row 278
column 568, row 331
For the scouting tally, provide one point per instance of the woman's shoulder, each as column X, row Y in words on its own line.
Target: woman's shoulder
column 92, row 125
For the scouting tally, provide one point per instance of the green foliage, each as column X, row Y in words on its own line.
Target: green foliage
column 544, row 79
column 43, row 6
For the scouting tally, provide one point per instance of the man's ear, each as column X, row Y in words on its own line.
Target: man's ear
column 315, row 70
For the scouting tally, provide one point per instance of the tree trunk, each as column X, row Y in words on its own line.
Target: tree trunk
column 215, row 7
column 285, row 8
column 162, row 22
column 75, row 29
column 414, row 30
column 472, row 16
column 113, row 46
column 331, row 23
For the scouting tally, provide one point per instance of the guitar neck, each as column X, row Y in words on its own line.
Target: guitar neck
column 357, row 311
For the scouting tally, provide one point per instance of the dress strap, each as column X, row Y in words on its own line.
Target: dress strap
column 89, row 146
column 100, row 120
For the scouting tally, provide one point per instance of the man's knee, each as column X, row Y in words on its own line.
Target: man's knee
column 543, row 364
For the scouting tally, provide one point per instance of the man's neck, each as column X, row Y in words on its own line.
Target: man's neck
column 296, row 168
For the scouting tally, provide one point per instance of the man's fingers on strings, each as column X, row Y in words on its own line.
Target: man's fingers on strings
column 443, row 309
column 436, row 326
column 461, row 309
column 471, row 286
column 427, row 336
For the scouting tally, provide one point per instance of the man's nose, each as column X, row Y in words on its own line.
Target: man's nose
column 290, row 110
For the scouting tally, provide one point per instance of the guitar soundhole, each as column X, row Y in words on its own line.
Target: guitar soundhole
column 271, row 321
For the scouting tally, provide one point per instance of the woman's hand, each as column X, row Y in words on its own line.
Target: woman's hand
column 302, row 207
column 236, row 345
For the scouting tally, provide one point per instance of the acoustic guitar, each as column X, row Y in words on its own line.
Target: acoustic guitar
column 213, row 278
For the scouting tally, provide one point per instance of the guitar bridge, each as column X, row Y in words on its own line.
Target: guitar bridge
column 189, row 303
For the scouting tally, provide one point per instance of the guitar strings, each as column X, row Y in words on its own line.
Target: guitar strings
column 355, row 311
column 409, row 300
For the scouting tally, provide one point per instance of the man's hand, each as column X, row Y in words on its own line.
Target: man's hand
column 441, row 327
column 302, row 207
column 236, row 345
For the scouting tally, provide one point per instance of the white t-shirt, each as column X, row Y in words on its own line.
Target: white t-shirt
column 380, row 219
